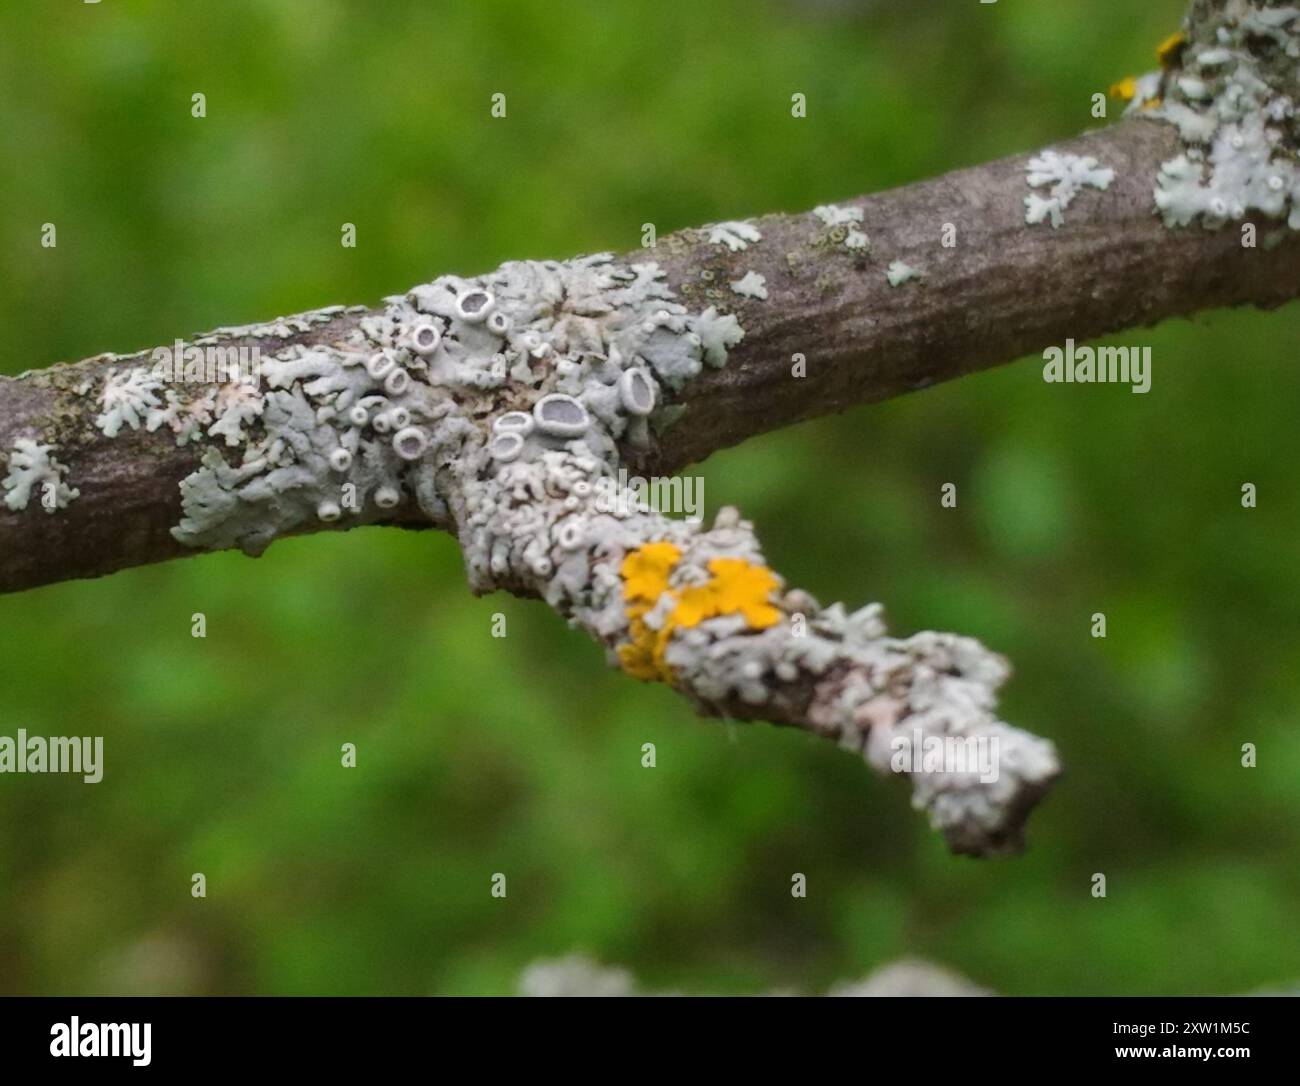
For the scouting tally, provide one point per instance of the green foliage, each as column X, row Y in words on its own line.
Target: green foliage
column 522, row 755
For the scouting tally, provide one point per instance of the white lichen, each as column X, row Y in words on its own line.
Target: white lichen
column 237, row 404
column 751, row 285
column 187, row 418
column 832, row 215
column 126, row 399
column 845, row 220
column 900, row 273
column 33, row 468
column 718, row 333
column 1067, row 175
column 736, row 236
column 855, row 239
column 1240, row 128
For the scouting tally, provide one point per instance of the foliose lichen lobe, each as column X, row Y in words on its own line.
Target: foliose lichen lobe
column 1064, row 176
column 751, row 285
column 736, row 236
column 34, row 471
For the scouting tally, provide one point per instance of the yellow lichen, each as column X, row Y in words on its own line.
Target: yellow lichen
column 1169, row 50
column 645, row 574
column 735, row 586
column 638, row 657
column 1126, row 89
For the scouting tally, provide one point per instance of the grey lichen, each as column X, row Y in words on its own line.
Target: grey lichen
column 391, row 412
column 538, row 526
column 533, row 513
column 33, row 468
column 1234, row 110
column 1067, row 175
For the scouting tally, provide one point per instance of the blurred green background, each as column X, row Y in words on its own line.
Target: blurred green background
column 522, row 755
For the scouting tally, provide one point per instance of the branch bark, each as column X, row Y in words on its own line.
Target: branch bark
column 1003, row 291
column 432, row 411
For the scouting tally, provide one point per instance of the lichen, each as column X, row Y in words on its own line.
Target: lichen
column 718, row 333
column 1238, row 123
column 1067, row 175
column 844, row 222
column 751, row 285
column 656, row 609
column 900, row 273
column 1143, row 92
column 352, row 428
column 736, row 236
column 1125, row 89
column 1169, row 50
column 32, row 467
column 237, row 404
column 832, row 215
column 126, row 399
column 186, row 418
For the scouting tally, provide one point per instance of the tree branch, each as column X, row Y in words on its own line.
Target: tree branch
column 1004, row 290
